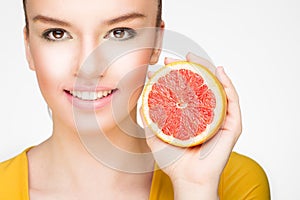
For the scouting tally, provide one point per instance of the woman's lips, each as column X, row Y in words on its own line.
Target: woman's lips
column 90, row 96
column 90, row 100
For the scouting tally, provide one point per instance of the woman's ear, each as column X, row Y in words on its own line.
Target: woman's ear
column 158, row 44
column 27, row 49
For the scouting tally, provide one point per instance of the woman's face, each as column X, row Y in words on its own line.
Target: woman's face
column 66, row 36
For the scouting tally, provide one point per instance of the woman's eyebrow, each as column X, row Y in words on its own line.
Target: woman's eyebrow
column 122, row 18
column 50, row 20
column 125, row 17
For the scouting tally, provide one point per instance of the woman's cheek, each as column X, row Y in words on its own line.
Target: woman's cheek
column 54, row 65
column 54, row 59
column 132, row 73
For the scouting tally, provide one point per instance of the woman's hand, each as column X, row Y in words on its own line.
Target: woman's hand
column 195, row 172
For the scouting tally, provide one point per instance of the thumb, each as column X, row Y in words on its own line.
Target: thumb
column 152, row 141
column 164, row 153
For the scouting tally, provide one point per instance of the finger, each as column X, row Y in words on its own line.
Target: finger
column 150, row 74
column 233, row 120
column 230, row 90
column 197, row 59
column 169, row 60
column 162, row 151
column 152, row 141
column 166, row 62
column 223, row 142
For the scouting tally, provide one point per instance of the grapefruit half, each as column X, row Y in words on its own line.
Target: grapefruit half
column 184, row 104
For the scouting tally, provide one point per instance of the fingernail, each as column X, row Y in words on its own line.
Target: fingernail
column 191, row 54
column 219, row 68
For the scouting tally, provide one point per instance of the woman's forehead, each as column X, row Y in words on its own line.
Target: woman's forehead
column 91, row 13
column 91, row 7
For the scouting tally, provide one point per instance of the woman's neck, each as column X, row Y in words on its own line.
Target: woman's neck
column 70, row 159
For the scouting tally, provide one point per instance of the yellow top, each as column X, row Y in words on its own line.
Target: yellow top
column 242, row 178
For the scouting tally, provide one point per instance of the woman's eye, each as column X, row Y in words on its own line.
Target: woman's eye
column 120, row 34
column 56, row 35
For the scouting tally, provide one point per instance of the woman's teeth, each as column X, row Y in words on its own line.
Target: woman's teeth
column 90, row 96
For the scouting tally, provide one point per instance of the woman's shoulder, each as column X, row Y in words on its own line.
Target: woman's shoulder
column 242, row 178
column 13, row 164
column 14, row 177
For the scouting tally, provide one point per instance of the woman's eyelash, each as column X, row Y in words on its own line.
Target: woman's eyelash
column 56, row 35
column 116, row 34
column 121, row 34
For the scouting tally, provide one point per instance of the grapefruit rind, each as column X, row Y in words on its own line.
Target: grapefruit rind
column 211, row 81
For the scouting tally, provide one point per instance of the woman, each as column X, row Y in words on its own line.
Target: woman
column 61, row 37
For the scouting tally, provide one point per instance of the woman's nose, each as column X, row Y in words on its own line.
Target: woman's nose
column 90, row 59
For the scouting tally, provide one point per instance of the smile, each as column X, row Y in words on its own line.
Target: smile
column 90, row 96
column 90, row 100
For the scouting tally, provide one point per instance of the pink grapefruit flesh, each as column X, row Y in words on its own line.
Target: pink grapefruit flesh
column 184, row 104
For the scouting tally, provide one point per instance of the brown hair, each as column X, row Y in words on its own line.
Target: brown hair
column 158, row 18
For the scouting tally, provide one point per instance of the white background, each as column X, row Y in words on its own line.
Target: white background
column 256, row 41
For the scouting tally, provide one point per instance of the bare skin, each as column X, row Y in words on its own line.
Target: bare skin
column 61, row 168
column 190, row 173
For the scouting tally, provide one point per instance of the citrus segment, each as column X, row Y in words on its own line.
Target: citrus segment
column 184, row 104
